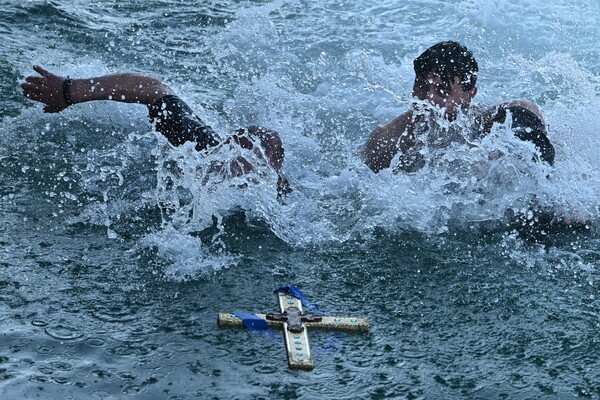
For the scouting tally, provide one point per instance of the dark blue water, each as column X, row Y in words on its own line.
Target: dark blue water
column 113, row 267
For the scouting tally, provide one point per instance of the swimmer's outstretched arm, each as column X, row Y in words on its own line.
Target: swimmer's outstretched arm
column 127, row 87
column 179, row 124
column 182, row 125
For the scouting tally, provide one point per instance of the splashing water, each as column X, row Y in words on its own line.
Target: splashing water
column 104, row 217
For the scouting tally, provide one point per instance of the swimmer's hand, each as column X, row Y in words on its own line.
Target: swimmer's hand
column 488, row 118
column 577, row 223
column 283, row 186
column 47, row 89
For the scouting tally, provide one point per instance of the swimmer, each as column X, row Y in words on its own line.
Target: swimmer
column 443, row 89
column 170, row 115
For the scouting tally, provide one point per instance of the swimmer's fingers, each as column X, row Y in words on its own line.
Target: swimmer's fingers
column 53, row 100
column 46, row 80
column 30, row 91
column 36, row 92
column 35, row 85
column 42, row 72
column 578, row 222
column 35, row 79
column 47, row 89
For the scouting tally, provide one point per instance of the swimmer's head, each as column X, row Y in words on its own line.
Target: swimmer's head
column 445, row 76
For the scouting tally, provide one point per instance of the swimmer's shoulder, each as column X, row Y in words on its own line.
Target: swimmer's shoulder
column 391, row 130
column 527, row 105
column 385, row 142
column 485, row 115
column 398, row 124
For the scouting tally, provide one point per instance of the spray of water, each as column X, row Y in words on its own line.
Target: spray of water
column 324, row 101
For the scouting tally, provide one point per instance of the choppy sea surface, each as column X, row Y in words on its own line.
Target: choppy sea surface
column 117, row 250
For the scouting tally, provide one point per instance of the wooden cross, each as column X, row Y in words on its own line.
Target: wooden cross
column 295, row 324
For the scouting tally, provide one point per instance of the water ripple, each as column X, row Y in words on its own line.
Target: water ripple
column 63, row 332
column 95, row 342
column 114, row 314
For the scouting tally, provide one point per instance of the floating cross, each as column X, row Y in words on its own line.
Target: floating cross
column 294, row 323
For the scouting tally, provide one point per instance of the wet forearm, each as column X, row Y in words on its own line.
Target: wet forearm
column 122, row 87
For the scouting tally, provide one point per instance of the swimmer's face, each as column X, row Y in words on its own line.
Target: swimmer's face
column 444, row 95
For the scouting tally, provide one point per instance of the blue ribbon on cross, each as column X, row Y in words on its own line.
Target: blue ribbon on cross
column 294, row 291
column 257, row 325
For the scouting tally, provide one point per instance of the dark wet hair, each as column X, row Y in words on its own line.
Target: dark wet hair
column 448, row 60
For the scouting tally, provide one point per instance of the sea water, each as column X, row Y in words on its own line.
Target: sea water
column 118, row 250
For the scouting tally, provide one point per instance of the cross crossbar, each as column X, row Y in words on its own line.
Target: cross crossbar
column 295, row 323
